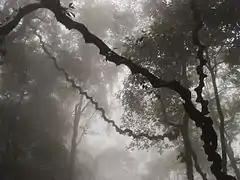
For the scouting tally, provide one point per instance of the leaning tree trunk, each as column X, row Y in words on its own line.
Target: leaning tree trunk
column 187, row 147
column 185, row 130
column 73, row 150
column 221, row 118
column 186, row 141
column 233, row 161
column 230, row 153
column 229, row 150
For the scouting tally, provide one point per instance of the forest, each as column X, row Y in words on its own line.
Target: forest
column 110, row 89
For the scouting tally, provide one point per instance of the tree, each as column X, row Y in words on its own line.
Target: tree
column 32, row 141
column 87, row 75
column 166, row 33
column 199, row 117
column 25, row 97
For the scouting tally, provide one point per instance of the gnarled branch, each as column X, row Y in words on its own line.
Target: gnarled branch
column 69, row 79
column 209, row 135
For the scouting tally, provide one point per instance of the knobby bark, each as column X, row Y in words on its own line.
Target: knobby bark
column 209, row 135
column 186, row 138
column 187, row 143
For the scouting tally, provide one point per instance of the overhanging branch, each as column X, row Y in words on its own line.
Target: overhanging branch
column 209, row 135
column 8, row 26
column 69, row 79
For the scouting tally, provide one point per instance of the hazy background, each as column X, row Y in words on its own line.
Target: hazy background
column 38, row 106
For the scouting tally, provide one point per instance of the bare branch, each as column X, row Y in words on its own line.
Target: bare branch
column 200, row 55
column 7, row 27
column 107, row 52
column 69, row 79
column 209, row 135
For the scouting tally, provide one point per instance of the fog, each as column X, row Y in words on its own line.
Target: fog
column 36, row 90
column 57, row 94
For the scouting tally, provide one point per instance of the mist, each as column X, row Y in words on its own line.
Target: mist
column 70, row 110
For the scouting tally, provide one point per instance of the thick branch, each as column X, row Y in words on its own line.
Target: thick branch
column 69, row 79
column 209, row 135
column 221, row 118
column 210, row 140
column 8, row 26
column 200, row 51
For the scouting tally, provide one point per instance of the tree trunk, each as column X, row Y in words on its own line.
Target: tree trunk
column 230, row 153
column 76, row 122
column 232, row 160
column 185, row 130
column 187, row 147
column 221, row 118
column 229, row 150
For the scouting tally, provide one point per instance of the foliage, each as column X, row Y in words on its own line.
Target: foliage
column 167, row 51
column 177, row 63
column 36, row 101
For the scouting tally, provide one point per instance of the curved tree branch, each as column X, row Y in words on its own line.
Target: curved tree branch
column 210, row 143
column 209, row 135
column 8, row 26
column 69, row 79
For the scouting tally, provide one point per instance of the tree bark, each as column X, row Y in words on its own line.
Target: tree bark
column 187, row 147
column 231, row 157
column 230, row 153
column 74, row 143
column 202, row 121
column 229, row 150
column 197, row 166
column 221, row 118
column 185, row 130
